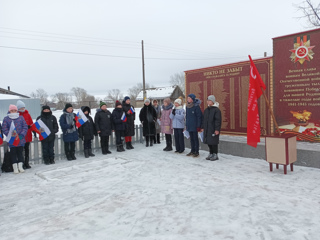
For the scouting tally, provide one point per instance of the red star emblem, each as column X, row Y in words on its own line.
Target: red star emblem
column 302, row 52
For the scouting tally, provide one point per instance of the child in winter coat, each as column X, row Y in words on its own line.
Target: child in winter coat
column 70, row 134
column 148, row 117
column 211, row 127
column 87, row 132
column 104, row 126
column 25, row 114
column 166, row 123
column 158, row 127
column 178, row 123
column 21, row 127
column 193, row 123
column 47, row 144
column 119, row 125
column 131, row 116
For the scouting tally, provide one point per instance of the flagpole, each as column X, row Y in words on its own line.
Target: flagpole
column 271, row 112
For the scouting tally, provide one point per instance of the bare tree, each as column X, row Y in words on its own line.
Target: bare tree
column 61, row 99
column 179, row 80
column 90, row 101
column 41, row 94
column 114, row 95
column 311, row 12
column 80, row 95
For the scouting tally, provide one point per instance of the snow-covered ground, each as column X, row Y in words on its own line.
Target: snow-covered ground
column 146, row 193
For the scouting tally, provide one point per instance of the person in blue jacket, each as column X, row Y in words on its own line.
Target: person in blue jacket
column 193, row 123
column 178, row 115
column 70, row 134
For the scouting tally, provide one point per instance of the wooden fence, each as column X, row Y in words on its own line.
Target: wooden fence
column 36, row 150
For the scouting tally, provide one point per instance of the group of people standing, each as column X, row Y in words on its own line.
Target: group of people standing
column 175, row 119
column 167, row 119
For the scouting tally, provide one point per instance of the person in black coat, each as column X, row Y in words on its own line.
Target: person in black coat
column 87, row 132
column 47, row 144
column 70, row 134
column 131, row 116
column 148, row 118
column 211, row 127
column 119, row 125
column 104, row 126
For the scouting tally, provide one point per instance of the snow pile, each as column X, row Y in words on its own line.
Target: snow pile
column 146, row 193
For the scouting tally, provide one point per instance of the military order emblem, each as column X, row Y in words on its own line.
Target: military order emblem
column 302, row 50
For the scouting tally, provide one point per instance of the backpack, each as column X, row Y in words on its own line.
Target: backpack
column 7, row 163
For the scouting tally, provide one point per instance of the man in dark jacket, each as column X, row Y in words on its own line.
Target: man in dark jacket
column 104, row 126
column 131, row 116
column 148, row 118
column 193, row 123
column 211, row 127
column 119, row 125
column 87, row 132
column 47, row 144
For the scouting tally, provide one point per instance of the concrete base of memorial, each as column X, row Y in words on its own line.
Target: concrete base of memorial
column 308, row 154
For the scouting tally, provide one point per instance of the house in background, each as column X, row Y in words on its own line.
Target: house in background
column 8, row 97
column 160, row 93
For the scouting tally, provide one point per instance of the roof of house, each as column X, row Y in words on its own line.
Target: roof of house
column 157, row 93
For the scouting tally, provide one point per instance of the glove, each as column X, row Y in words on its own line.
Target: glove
column 71, row 126
column 174, row 111
column 29, row 126
column 21, row 137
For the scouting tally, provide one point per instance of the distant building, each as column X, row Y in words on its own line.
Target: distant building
column 8, row 97
column 160, row 93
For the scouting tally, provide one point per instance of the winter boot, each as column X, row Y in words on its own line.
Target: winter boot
column 214, row 157
column 151, row 142
column 122, row 148
column 15, row 168
column 119, row 148
column 158, row 138
column 130, row 145
column 147, row 143
column 155, row 139
column 46, row 161
column 190, row 154
column 26, row 162
column 20, row 167
column 165, row 149
column 196, row 154
column 107, row 150
column 51, row 159
column 103, row 149
column 86, row 153
column 69, row 157
column 90, row 153
column 73, row 156
column 209, row 156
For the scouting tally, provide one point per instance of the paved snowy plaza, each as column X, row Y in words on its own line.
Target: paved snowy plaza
column 149, row 194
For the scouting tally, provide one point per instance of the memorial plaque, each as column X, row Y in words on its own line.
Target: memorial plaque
column 297, row 80
column 230, row 85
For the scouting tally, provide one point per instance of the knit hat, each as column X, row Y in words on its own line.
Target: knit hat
column 212, row 98
column 167, row 100
column 126, row 98
column 178, row 100
column 192, row 96
column 20, row 104
column 118, row 103
column 12, row 107
column 147, row 100
column 45, row 107
column 102, row 103
column 68, row 105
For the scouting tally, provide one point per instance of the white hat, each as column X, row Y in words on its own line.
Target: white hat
column 178, row 100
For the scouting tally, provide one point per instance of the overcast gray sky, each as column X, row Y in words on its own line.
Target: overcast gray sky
column 176, row 33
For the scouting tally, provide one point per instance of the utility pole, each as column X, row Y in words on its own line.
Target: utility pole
column 143, row 75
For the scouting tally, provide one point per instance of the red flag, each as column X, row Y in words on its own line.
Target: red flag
column 255, row 91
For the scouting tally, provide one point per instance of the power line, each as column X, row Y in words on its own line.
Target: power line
column 103, row 55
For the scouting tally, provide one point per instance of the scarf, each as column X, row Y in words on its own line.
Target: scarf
column 13, row 115
column 179, row 107
column 70, row 121
column 190, row 105
column 167, row 107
